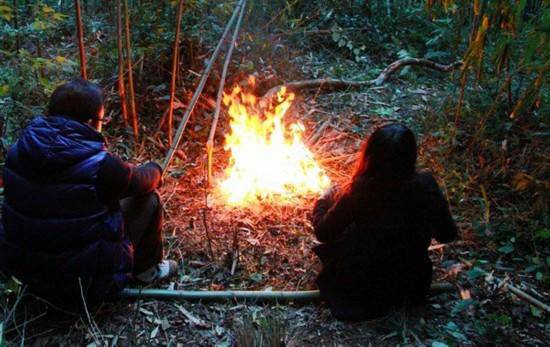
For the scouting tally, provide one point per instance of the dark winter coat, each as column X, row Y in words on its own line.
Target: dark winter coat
column 375, row 240
column 62, row 229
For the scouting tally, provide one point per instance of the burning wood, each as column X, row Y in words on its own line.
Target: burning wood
column 269, row 161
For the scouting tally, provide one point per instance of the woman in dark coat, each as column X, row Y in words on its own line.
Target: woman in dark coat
column 375, row 232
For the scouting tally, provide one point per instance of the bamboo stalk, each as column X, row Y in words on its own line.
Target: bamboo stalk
column 199, row 89
column 16, row 26
column 210, row 141
column 80, row 37
column 130, row 72
column 174, row 72
column 243, row 295
column 121, row 85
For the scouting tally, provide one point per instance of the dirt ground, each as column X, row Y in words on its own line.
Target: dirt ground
column 270, row 248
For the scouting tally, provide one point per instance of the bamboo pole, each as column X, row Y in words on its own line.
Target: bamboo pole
column 243, row 295
column 175, row 59
column 210, row 141
column 80, row 37
column 199, row 89
column 130, row 72
column 121, row 84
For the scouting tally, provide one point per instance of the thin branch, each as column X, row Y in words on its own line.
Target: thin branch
column 130, row 73
column 120, row 81
column 175, row 59
column 518, row 292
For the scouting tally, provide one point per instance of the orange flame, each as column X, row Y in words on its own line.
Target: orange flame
column 269, row 161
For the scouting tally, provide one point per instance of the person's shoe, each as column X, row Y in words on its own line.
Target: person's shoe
column 161, row 271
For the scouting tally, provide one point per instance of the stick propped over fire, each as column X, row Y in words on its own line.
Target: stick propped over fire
column 269, row 161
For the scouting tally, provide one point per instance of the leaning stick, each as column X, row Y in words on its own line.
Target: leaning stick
column 175, row 59
column 130, row 72
column 80, row 37
column 120, row 81
column 210, row 141
column 244, row 295
column 332, row 85
column 199, row 89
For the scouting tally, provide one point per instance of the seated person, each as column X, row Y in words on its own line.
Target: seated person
column 76, row 220
column 375, row 232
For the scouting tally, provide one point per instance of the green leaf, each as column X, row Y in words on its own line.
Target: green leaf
column 501, row 319
column 474, row 273
column 461, row 305
column 506, row 249
column 543, row 234
column 535, row 311
column 439, row 344
column 6, row 12
column 454, row 331
column 384, row 111
column 256, row 277
column 4, row 90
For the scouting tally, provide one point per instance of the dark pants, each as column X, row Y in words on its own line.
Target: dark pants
column 143, row 224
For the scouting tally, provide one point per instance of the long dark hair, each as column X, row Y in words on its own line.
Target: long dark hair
column 388, row 154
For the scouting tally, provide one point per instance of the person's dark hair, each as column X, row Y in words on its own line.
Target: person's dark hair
column 79, row 99
column 389, row 153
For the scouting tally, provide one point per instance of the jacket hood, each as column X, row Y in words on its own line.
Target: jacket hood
column 52, row 144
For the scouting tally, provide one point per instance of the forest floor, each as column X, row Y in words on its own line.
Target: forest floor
column 270, row 248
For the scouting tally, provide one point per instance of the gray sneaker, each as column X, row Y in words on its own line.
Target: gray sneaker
column 163, row 270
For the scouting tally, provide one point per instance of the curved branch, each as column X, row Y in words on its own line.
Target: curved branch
column 332, row 85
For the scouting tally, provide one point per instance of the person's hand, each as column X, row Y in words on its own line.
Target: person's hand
column 159, row 168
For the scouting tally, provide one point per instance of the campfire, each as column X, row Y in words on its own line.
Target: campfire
column 269, row 161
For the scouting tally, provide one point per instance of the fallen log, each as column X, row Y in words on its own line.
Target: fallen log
column 333, row 85
column 244, row 295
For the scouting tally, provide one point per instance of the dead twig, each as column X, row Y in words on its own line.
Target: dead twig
column 332, row 85
column 515, row 290
column 205, row 222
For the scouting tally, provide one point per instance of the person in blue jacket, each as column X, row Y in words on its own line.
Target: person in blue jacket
column 78, row 222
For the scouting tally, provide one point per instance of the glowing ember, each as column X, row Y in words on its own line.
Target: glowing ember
column 269, row 161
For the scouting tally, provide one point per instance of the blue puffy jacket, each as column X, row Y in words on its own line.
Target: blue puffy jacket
column 58, row 237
